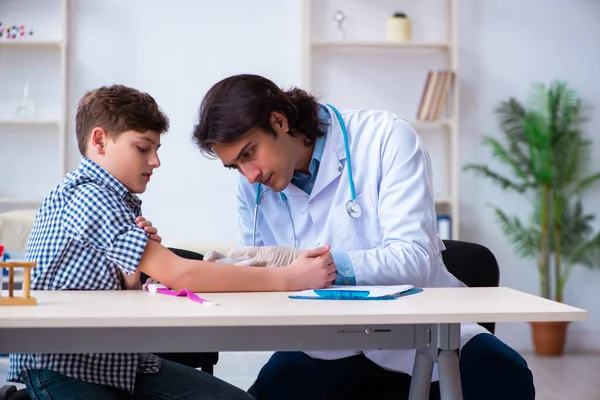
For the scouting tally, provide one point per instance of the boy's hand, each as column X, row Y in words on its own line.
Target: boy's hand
column 148, row 228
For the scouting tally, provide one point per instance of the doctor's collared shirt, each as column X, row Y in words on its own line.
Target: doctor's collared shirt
column 305, row 182
column 84, row 235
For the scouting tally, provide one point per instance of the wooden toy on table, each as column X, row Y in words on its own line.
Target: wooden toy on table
column 25, row 299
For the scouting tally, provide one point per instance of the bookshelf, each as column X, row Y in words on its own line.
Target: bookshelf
column 33, row 150
column 362, row 69
column 29, row 43
column 377, row 45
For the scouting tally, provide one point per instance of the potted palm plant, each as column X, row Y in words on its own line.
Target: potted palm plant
column 548, row 156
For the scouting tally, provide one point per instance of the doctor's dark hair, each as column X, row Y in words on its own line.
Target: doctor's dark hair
column 239, row 103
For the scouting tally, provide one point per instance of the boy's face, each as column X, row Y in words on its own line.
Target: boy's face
column 130, row 158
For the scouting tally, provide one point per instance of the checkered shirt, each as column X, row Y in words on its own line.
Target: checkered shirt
column 85, row 234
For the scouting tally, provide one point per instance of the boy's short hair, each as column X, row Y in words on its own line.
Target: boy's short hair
column 117, row 109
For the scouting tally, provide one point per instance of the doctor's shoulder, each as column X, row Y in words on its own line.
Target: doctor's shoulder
column 380, row 125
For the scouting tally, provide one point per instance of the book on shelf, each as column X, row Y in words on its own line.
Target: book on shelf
column 435, row 95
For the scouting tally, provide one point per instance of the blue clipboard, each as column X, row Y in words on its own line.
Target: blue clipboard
column 352, row 295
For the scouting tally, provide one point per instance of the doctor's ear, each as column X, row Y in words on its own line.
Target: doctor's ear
column 279, row 122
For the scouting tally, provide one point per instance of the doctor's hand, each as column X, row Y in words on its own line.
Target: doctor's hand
column 148, row 228
column 313, row 269
column 266, row 256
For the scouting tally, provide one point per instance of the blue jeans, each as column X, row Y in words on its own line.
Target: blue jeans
column 173, row 382
column 489, row 370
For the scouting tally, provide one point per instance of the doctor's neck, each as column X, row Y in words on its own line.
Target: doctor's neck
column 303, row 153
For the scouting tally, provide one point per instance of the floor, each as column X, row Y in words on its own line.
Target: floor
column 573, row 376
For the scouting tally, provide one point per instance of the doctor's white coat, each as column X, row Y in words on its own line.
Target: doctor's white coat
column 394, row 241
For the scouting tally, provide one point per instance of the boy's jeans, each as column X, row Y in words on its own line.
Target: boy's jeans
column 173, row 382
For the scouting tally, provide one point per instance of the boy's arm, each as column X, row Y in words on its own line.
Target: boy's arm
column 95, row 218
column 308, row 271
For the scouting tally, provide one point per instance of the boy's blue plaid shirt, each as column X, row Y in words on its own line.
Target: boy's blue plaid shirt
column 85, row 233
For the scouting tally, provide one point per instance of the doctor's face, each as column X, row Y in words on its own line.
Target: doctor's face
column 261, row 157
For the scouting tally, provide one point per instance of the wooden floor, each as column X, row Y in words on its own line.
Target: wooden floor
column 571, row 377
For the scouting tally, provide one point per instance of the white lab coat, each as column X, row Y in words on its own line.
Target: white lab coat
column 395, row 240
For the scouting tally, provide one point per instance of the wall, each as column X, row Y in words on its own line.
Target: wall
column 176, row 51
column 505, row 45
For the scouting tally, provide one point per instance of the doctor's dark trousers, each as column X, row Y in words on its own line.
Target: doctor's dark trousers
column 489, row 370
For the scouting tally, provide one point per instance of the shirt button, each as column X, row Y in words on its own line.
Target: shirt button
column 310, row 202
column 318, row 244
column 347, row 272
column 339, row 169
column 346, row 281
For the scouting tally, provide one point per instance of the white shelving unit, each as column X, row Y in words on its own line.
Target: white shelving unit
column 376, row 45
column 52, row 43
column 370, row 50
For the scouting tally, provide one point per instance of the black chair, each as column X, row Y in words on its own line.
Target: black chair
column 10, row 392
column 474, row 265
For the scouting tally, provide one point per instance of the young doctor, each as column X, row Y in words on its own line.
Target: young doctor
column 360, row 181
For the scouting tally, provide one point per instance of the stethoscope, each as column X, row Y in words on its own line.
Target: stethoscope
column 352, row 207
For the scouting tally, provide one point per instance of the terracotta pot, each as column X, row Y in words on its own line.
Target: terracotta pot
column 549, row 337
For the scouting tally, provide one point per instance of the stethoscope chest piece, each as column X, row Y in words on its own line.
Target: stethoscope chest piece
column 353, row 209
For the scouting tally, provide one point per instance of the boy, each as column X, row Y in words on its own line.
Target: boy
column 86, row 237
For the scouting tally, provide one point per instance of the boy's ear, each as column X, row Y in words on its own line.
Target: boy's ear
column 98, row 139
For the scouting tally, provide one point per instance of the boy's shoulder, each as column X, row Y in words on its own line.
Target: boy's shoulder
column 81, row 189
column 85, row 187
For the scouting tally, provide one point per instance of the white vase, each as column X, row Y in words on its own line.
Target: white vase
column 26, row 108
column 398, row 28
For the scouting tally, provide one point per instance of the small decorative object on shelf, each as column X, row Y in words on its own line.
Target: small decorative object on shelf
column 339, row 17
column 13, row 32
column 25, row 299
column 26, row 109
column 398, row 28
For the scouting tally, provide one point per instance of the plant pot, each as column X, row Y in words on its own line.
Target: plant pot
column 549, row 337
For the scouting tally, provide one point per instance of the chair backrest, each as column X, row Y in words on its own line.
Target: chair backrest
column 473, row 264
column 10, row 392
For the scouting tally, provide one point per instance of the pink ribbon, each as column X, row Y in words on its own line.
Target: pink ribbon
column 183, row 293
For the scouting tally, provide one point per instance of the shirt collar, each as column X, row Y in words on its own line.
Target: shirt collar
column 317, row 155
column 89, row 169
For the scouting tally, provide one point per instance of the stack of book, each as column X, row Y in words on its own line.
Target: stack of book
column 435, row 95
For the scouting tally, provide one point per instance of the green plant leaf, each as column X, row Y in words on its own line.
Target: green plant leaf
column 498, row 179
column 586, row 183
column 525, row 241
column 587, row 253
column 504, row 155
